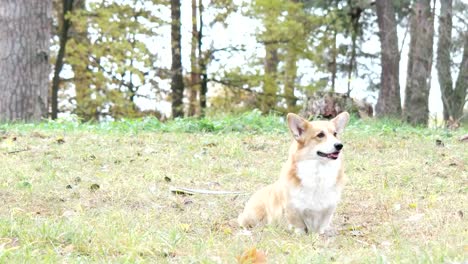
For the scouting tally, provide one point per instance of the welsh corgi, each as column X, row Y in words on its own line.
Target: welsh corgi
column 311, row 181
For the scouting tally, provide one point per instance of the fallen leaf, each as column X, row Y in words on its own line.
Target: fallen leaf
column 167, row 179
column 211, row 144
column 184, row 227
column 227, row 231
column 25, row 184
column 94, row 187
column 252, row 256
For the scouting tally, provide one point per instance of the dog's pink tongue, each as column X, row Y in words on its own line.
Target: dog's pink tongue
column 333, row 155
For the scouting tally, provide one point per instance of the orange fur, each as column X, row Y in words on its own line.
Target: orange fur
column 287, row 197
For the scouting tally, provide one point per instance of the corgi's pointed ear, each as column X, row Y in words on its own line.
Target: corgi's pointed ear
column 297, row 125
column 341, row 121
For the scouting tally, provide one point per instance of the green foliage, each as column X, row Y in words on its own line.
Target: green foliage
column 109, row 57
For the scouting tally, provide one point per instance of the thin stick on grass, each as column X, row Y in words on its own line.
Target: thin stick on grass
column 18, row 151
column 189, row 191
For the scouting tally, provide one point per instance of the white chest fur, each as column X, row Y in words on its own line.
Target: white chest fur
column 318, row 190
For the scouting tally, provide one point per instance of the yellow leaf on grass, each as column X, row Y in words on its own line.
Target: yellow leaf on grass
column 184, row 227
column 227, row 231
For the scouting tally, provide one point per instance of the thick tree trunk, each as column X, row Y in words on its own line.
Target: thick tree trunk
column 389, row 101
column 24, row 59
column 177, row 83
column 194, row 75
column 443, row 56
column 416, row 110
column 65, row 23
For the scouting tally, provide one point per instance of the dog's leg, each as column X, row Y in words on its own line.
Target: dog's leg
column 295, row 222
column 325, row 220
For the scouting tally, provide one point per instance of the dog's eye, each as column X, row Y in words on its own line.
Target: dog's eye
column 334, row 134
column 320, row 135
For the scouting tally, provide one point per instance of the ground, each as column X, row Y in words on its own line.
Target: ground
column 76, row 194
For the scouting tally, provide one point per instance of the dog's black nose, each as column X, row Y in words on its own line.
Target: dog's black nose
column 338, row 146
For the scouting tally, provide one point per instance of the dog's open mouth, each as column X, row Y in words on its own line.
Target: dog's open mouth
column 333, row 155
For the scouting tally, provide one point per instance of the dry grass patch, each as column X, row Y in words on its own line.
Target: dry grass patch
column 76, row 196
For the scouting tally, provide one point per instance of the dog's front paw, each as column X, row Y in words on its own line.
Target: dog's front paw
column 328, row 232
column 297, row 230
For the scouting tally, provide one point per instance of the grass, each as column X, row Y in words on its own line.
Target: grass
column 82, row 193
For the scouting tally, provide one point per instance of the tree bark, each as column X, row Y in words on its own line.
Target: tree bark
column 202, row 62
column 177, row 83
column 194, row 75
column 443, row 56
column 290, row 79
column 24, row 59
column 270, row 87
column 453, row 99
column 416, row 110
column 354, row 14
column 65, row 23
column 461, row 86
column 333, row 66
column 389, row 101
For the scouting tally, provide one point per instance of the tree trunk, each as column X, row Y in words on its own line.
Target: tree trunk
column 24, row 64
column 416, row 110
column 389, row 101
column 461, row 86
column 355, row 15
column 270, row 87
column 202, row 62
column 452, row 99
column 290, row 79
column 443, row 56
column 333, row 65
column 79, row 47
column 177, row 83
column 67, row 6
column 194, row 75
